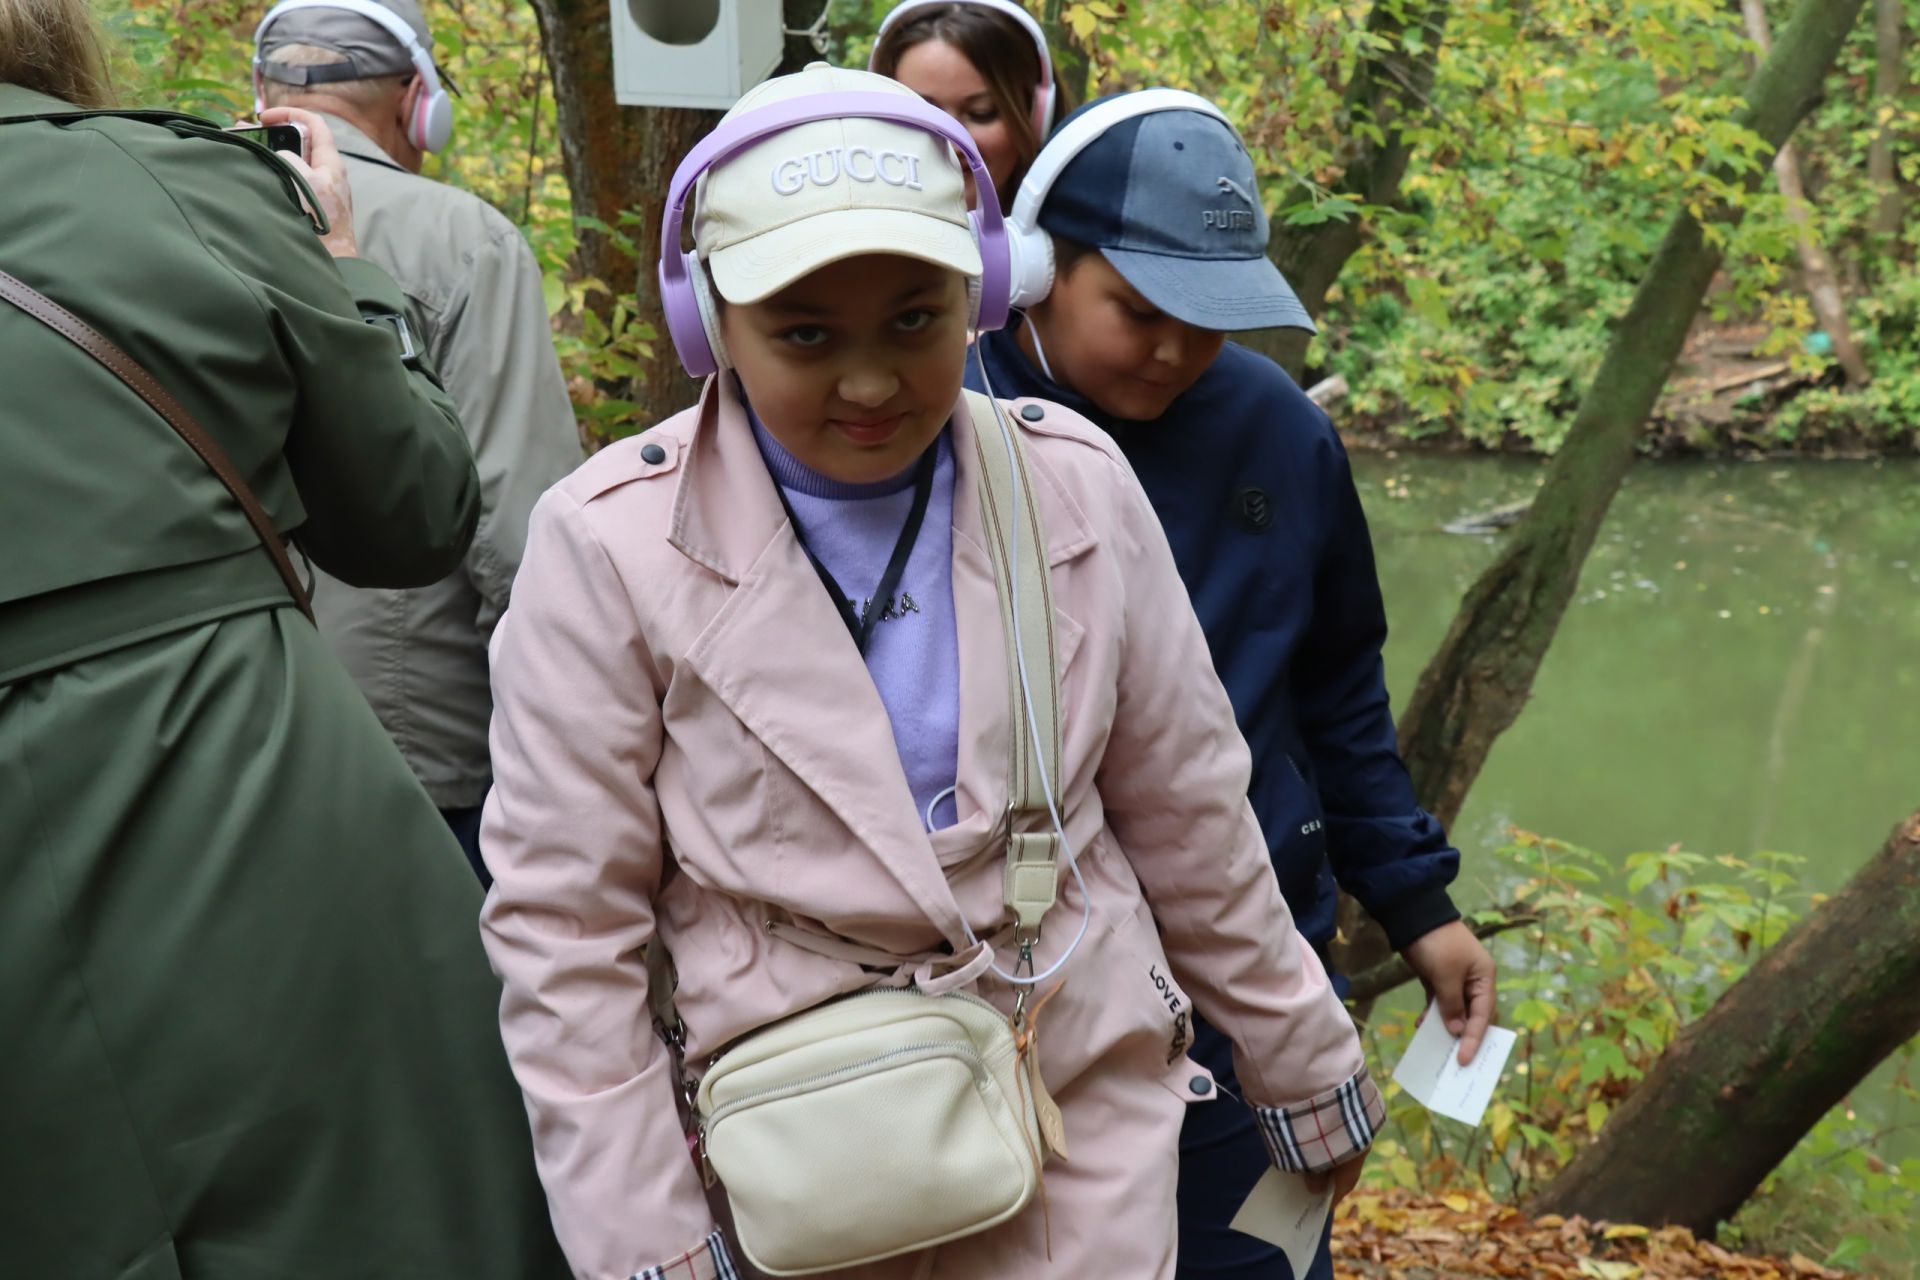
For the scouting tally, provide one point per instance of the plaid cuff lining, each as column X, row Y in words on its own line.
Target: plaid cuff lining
column 708, row 1260
column 1324, row 1131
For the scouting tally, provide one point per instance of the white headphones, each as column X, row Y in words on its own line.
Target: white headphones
column 431, row 123
column 1032, row 248
column 1043, row 93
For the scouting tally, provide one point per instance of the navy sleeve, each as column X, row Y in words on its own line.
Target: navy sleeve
column 1385, row 849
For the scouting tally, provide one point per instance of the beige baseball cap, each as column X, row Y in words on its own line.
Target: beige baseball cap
column 817, row 193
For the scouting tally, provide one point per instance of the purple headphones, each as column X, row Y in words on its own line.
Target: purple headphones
column 679, row 299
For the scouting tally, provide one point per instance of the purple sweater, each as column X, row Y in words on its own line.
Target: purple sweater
column 914, row 653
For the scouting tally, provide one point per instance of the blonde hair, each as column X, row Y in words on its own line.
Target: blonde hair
column 53, row 47
column 369, row 94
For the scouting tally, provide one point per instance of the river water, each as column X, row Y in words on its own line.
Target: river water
column 1739, row 672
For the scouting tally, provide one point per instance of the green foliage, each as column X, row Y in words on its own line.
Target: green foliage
column 1622, row 963
column 1558, row 139
column 1561, row 138
column 195, row 56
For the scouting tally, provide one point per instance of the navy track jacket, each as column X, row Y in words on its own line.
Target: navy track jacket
column 1251, row 482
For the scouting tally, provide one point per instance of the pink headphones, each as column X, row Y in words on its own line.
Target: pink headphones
column 1043, row 93
column 679, row 293
column 431, row 124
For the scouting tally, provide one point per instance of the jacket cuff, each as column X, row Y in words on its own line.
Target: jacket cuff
column 1412, row 916
column 1325, row 1131
column 708, row 1260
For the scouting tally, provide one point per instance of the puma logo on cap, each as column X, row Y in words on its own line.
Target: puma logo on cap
column 1230, row 219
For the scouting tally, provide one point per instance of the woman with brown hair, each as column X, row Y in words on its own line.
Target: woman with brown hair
column 983, row 62
column 248, row 1026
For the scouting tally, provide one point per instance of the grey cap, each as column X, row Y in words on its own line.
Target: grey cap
column 371, row 50
column 1171, row 199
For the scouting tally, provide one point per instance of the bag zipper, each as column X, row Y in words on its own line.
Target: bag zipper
column 941, row 1048
column 967, row 996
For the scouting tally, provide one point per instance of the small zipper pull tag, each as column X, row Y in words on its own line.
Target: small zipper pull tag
column 707, row 1176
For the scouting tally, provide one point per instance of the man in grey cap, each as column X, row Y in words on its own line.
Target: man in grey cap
column 476, row 310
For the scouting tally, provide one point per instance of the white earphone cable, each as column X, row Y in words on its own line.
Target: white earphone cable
column 1032, row 718
column 1039, row 350
column 935, row 804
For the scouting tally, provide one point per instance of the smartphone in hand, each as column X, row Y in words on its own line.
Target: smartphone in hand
column 291, row 138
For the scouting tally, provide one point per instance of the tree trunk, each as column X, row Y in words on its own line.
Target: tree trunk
column 1816, row 269
column 1476, row 684
column 1072, row 68
column 1729, row 1099
column 1389, row 88
column 620, row 160
column 1889, row 42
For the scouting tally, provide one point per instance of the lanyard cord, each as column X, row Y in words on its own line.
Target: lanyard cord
column 861, row 627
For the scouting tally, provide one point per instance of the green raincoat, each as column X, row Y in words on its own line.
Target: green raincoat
column 247, row 1031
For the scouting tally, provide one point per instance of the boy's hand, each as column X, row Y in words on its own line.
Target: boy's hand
column 1343, row 1177
column 1458, row 971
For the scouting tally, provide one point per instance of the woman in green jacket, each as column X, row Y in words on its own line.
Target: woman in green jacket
column 247, row 1031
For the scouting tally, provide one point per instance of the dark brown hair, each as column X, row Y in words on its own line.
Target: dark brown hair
column 1000, row 49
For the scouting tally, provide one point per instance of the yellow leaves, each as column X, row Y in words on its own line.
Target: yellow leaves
column 1458, row 1203
column 1609, row 1270
column 1083, row 19
column 1627, row 1233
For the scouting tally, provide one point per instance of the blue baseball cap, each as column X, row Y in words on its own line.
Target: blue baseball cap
column 1171, row 200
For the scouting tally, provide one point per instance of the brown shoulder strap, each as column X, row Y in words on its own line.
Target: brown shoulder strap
column 141, row 383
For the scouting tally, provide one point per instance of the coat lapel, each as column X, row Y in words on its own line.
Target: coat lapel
column 780, row 658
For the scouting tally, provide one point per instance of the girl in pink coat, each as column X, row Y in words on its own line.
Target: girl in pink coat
column 752, row 707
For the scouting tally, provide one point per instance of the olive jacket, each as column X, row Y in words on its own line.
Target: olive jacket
column 250, row 1030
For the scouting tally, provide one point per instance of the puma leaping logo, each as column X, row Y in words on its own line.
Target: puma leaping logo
column 1231, row 187
column 1231, row 219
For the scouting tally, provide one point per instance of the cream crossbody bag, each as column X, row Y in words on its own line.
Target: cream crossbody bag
column 890, row 1120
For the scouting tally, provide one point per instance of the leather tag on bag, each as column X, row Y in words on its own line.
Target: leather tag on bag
column 1053, row 1127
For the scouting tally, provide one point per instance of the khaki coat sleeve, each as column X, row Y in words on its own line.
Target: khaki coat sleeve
column 495, row 352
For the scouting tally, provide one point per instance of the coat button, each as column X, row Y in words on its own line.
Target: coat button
column 1201, row 1086
column 653, row 454
column 1032, row 412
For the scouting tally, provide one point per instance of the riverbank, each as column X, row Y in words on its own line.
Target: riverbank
column 1729, row 397
column 1754, row 438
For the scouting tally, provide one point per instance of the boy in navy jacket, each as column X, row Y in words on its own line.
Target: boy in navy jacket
column 1160, row 248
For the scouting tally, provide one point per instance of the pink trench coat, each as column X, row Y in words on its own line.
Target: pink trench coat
column 687, row 746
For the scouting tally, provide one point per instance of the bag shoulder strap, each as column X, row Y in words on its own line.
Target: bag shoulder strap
column 1004, row 479
column 143, row 384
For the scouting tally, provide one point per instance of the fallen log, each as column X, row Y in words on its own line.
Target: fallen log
column 1732, row 1096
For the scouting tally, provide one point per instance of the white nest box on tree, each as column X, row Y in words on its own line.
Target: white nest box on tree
column 692, row 53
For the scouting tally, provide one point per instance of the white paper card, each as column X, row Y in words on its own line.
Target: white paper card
column 1283, row 1212
column 1432, row 1073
